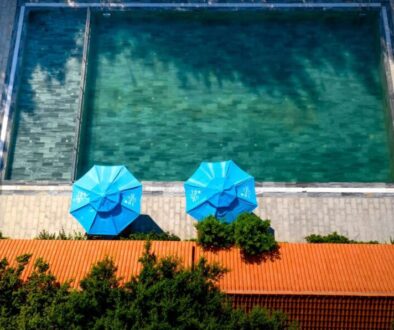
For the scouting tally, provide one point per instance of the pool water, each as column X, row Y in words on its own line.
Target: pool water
column 288, row 97
column 49, row 79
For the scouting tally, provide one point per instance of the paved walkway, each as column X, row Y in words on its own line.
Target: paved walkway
column 24, row 214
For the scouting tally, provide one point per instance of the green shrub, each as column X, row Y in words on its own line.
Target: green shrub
column 151, row 236
column 214, row 234
column 252, row 235
column 330, row 238
column 44, row 235
column 163, row 296
column 1, row 236
column 334, row 238
column 248, row 232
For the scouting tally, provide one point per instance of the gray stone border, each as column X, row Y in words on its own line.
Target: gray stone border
column 80, row 112
column 111, row 5
column 10, row 88
column 176, row 187
column 388, row 61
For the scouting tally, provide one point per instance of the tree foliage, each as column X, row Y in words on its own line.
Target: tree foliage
column 151, row 236
column 253, row 235
column 333, row 238
column 250, row 233
column 62, row 235
column 214, row 234
column 163, row 296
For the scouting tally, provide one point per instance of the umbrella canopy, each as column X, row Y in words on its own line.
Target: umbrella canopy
column 106, row 200
column 221, row 189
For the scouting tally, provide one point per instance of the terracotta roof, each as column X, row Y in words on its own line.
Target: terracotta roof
column 338, row 269
column 74, row 259
column 325, row 269
column 326, row 312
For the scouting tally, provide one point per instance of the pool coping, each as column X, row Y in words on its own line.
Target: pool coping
column 10, row 92
column 113, row 5
column 176, row 187
column 81, row 98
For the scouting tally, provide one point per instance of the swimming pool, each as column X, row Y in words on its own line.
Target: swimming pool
column 289, row 96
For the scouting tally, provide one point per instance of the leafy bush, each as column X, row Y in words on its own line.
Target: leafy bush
column 44, row 235
column 214, row 234
column 252, row 235
column 248, row 232
column 163, row 296
column 333, row 238
column 151, row 236
column 1, row 236
column 330, row 238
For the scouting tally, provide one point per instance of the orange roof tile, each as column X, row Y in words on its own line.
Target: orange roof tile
column 328, row 269
column 329, row 312
column 73, row 259
column 338, row 269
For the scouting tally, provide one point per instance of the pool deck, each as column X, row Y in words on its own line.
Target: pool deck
column 26, row 210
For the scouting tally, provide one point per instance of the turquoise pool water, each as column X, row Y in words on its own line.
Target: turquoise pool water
column 295, row 97
column 289, row 97
column 49, row 78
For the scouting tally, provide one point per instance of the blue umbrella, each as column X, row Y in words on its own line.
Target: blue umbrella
column 221, row 189
column 106, row 200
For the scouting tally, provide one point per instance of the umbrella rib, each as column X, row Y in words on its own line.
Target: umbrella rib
column 91, row 225
column 97, row 174
column 94, row 221
column 197, row 206
column 209, row 173
column 246, row 178
column 117, row 174
column 226, row 177
column 194, row 183
column 86, row 190
column 115, row 225
column 137, row 183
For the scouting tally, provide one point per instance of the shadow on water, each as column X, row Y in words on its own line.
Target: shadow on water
column 237, row 46
column 276, row 92
column 51, row 49
column 53, row 37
